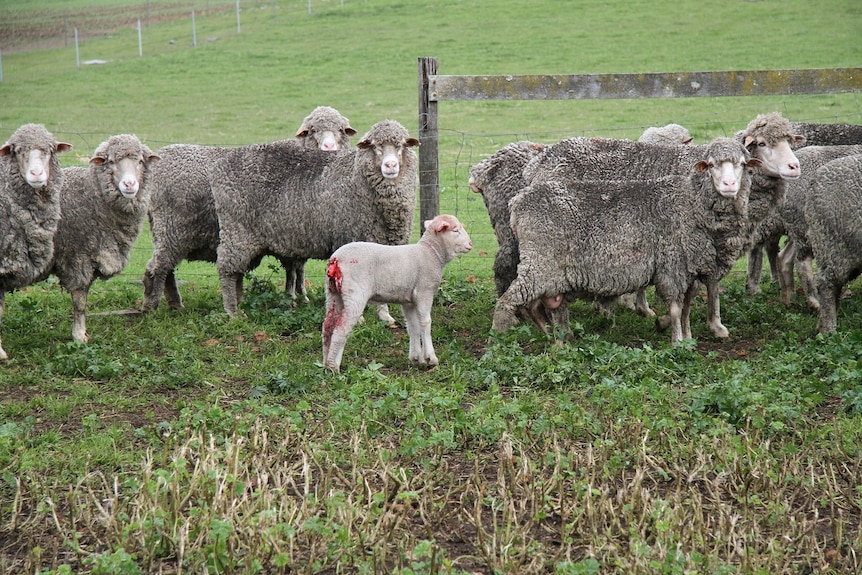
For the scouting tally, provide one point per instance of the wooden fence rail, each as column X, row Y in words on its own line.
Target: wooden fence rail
column 434, row 88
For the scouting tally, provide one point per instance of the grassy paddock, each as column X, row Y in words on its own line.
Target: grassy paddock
column 185, row 442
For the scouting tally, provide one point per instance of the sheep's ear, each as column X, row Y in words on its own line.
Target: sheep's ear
column 97, row 160
column 753, row 163
column 411, row 142
column 63, row 147
column 6, row 150
column 687, row 140
column 798, row 139
column 364, row 144
column 350, row 131
column 302, row 133
column 747, row 141
column 701, row 166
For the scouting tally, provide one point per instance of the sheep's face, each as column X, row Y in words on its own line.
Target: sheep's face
column 726, row 173
column 777, row 158
column 327, row 139
column 388, row 155
column 33, row 163
column 127, row 172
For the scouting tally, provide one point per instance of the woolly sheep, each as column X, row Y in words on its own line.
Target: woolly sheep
column 30, row 184
column 363, row 272
column 111, row 197
column 668, row 135
column 288, row 201
column 816, row 134
column 182, row 214
column 768, row 138
column 600, row 239
column 833, row 210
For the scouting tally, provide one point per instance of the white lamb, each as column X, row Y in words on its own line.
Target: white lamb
column 363, row 272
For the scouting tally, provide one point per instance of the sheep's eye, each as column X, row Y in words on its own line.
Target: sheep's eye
column 761, row 144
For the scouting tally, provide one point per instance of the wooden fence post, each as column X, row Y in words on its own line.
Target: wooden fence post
column 429, row 177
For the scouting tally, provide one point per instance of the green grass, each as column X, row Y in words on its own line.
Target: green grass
column 189, row 442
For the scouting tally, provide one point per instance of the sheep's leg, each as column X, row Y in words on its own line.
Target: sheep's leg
column 628, row 301
column 829, row 292
column 772, row 247
column 3, row 356
column 675, row 316
column 172, row 292
column 294, row 278
column 806, row 278
column 642, row 305
column 713, row 309
column 418, row 320
column 505, row 312
column 230, row 295
column 755, row 267
column 79, row 307
column 786, row 258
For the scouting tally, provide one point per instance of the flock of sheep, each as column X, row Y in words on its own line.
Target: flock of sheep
column 592, row 218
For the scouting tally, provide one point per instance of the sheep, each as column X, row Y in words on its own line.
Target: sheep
column 288, row 201
column 601, row 239
column 109, row 198
column 768, row 137
column 362, row 272
column 790, row 220
column 668, row 135
column 182, row 214
column 816, row 134
column 30, row 184
column 833, row 210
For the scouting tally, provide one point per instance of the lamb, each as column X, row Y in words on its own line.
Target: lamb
column 363, row 272
column 182, row 214
column 833, row 211
column 111, row 196
column 768, row 138
column 668, row 135
column 30, row 184
column 291, row 202
column 600, row 239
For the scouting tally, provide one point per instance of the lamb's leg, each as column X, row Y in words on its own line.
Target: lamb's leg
column 79, row 311
column 338, row 323
column 806, row 278
column 3, row 356
column 714, row 309
column 418, row 320
column 384, row 316
column 755, row 266
column 785, row 262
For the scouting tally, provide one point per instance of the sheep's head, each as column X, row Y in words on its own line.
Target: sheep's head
column 326, row 129
column 725, row 164
column 126, row 161
column 770, row 138
column 32, row 150
column 388, row 140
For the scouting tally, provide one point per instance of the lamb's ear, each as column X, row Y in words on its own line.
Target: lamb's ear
column 701, row 166
column 411, row 142
column 443, row 225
